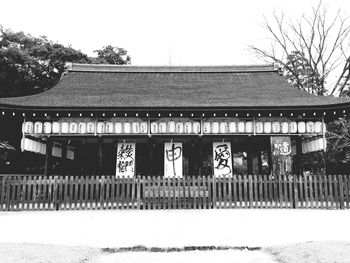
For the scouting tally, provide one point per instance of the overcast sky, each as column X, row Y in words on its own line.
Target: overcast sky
column 156, row 32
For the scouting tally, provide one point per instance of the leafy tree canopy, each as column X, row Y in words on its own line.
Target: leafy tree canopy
column 31, row 64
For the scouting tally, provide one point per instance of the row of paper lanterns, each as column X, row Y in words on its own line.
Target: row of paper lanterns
column 74, row 127
column 40, row 147
column 162, row 127
column 313, row 145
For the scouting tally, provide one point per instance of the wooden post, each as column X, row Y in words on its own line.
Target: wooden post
column 48, row 158
column 250, row 156
column 100, row 155
column 299, row 166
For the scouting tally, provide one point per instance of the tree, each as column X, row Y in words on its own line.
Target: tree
column 32, row 64
column 112, row 55
column 312, row 50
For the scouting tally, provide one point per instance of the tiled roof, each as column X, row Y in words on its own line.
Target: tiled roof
column 118, row 87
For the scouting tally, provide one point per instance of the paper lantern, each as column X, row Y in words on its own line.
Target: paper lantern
column 293, row 127
column 64, row 127
column 70, row 154
column 109, row 127
column 206, row 127
column 259, row 127
column 241, row 127
column 73, row 127
column 196, row 127
column 82, row 127
column 223, row 127
column 28, row 127
column 38, row 127
column 100, row 127
column 249, row 127
column 276, row 127
column 162, row 127
column 90, row 127
column 310, row 127
column 215, row 127
column 154, row 127
column 118, row 127
column 188, row 127
column 267, row 127
column 143, row 127
column 285, row 127
column 179, row 127
column 171, row 126
column 232, row 127
column 56, row 126
column 135, row 127
column 127, row 127
column 47, row 127
column 318, row 127
column 301, row 127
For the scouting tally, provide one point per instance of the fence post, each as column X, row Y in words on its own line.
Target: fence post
column 55, row 188
column 250, row 191
column 295, row 191
column 214, row 190
column 341, row 191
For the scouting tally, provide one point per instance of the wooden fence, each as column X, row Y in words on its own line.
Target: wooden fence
column 37, row 192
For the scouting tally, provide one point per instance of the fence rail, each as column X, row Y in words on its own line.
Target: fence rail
column 37, row 192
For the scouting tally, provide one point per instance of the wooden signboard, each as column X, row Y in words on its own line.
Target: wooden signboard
column 222, row 156
column 125, row 159
column 281, row 149
column 173, row 153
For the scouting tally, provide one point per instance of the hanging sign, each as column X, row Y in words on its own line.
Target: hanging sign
column 173, row 159
column 281, row 150
column 125, row 159
column 222, row 158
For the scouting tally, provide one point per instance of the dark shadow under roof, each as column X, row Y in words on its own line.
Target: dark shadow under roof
column 107, row 86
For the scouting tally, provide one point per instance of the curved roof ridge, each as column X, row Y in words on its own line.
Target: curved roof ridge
column 207, row 69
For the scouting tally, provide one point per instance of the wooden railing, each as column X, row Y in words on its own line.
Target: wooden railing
column 37, row 192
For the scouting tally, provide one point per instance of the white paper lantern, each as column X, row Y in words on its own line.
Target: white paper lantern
column 38, row 127
column 154, row 127
column 143, row 127
column 47, row 127
column 188, row 127
column 249, row 127
column 310, row 127
column 56, row 127
column 109, row 127
column 293, row 127
column 285, row 127
column 232, row 127
column 100, row 127
column 196, row 127
column 28, row 127
column 241, row 127
column 118, row 127
column 127, row 127
column 301, row 127
column 64, row 127
column 135, row 127
column 259, row 127
column 82, row 127
column 171, row 126
column 267, row 127
column 215, row 127
column 206, row 127
column 90, row 127
column 73, row 127
column 318, row 127
column 162, row 127
column 276, row 127
column 223, row 127
column 179, row 127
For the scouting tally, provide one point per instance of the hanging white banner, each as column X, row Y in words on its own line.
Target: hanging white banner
column 222, row 158
column 125, row 159
column 173, row 159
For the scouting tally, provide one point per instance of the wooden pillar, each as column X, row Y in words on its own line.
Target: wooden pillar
column 48, row 159
column 150, row 148
column 64, row 157
column 250, row 155
column 299, row 153
column 259, row 162
column 100, row 155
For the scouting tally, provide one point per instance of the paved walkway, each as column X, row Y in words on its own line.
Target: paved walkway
column 175, row 228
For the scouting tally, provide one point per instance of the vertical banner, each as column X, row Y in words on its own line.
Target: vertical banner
column 222, row 158
column 281, row 150
column 173, row 159
column 125, row 159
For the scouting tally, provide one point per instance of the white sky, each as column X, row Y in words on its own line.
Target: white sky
column 192, row 32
